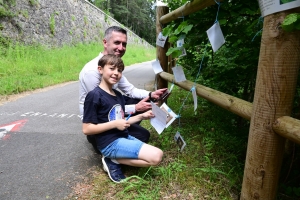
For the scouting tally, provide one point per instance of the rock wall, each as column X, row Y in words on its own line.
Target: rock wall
column 59, row 22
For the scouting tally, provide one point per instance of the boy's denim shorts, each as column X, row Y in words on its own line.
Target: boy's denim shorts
column 123, row 148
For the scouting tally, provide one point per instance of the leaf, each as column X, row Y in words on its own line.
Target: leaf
column 222, row 21
column 173, row 39
column 187, row 29
column 289, row 22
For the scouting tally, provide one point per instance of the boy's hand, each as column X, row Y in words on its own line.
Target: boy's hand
column 121, row 124
column 148, row 115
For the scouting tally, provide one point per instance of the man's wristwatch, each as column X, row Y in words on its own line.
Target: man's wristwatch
column 151, row 99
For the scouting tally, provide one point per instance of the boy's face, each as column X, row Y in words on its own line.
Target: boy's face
column 116, row 44
column 110, row 74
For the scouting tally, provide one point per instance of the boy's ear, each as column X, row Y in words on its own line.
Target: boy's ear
column 100, row 69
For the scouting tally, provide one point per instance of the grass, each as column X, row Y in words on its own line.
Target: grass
column 24, row 68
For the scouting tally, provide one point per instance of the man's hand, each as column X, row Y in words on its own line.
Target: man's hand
column 157, row 94
column 143, row 105
column 121, row 124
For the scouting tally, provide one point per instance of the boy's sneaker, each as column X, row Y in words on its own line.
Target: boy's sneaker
column 114, row 170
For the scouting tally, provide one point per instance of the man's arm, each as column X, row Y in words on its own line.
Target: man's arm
column 90, row 80
column 127, row 88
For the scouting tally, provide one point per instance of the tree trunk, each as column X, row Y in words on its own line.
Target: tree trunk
column 161, row 52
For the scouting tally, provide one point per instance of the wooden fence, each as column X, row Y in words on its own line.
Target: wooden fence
column 269, row 113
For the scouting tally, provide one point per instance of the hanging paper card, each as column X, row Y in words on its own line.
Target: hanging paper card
column 178, row 74
column 183, row 52
column 171, row 116
column 179, row 141
column 180, row 45
column 195, row 98
column 159, row 121
column 156, row 67
column 171, row 88
column 215, row 36
column 161, row 40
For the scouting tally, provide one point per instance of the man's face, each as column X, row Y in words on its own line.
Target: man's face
column 116, row 44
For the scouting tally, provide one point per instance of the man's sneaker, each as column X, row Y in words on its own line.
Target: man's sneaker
column 92, row 140
column 114, row 170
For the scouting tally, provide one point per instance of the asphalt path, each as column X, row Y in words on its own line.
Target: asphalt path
column 43, row 152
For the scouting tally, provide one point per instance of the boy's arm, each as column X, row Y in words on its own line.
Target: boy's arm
column 137, row 118
column 92, row 129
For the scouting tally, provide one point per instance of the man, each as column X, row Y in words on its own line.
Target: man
column 114, row 42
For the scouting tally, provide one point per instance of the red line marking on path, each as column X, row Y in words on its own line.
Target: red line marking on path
column 11, row 127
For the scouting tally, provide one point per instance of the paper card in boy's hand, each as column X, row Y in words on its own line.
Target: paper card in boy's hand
column 161, row 40
column 156, row 67
column 159, row 121
column 171, row 116
column 215, row 36
column 178, row 74
column 179, row 141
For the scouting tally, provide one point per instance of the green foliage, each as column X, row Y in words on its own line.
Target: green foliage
column 291, row 22
column 4, row 9
column 138, row 16
column 52, row 24
column 232, row 69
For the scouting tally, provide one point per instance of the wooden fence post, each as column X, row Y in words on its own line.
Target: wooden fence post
column 161, row 52
column 274, row 93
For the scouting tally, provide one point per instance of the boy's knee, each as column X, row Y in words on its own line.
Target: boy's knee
column 157, row 157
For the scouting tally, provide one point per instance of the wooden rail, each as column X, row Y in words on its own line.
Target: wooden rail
column 186, row 9
column 230, row 103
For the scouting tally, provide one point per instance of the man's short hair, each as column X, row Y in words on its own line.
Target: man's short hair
column 113, row 29
column 113, row 60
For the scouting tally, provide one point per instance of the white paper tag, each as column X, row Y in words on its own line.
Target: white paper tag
column 179, row 141
column 180, row 45
column 161, row 40
column 159, row 121
column 171, row 88
column 195, row 98
column 178, row 74
column 156, row 67
column 171, row 116
column 215, row 36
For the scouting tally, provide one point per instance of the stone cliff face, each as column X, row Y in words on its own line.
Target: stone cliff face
column 59, row 22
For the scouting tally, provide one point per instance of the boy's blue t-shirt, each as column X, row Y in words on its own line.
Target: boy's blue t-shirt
column 101, row 107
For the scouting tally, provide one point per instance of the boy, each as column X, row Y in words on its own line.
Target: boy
column 104, row 118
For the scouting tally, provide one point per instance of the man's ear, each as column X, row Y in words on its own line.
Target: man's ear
column 104, row 42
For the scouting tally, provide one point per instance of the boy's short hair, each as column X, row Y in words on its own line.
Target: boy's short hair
column 113, row 60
